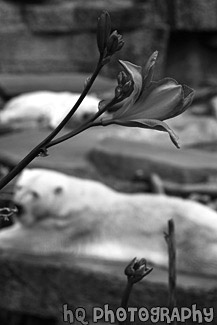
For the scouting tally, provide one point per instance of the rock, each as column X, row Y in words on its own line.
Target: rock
column 12, row 84
column 76, row 16
column 73, row 25
column 139, row 45
column 213, row 104
column 39, row 288
column 2, row 101
column 11, row 17
column 58, row 214
column 46, row 109
column 25, row 52
column 204, row 94
column 201, row 109
column 122, row 158
column 195, row 15
column 69, row 157
column 191, row 130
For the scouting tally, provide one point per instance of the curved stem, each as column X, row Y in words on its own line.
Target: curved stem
column 73, row 133
column 42, row 145
column 83, row 127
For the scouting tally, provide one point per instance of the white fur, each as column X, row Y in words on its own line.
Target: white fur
column 46, row 108
column 65, row 214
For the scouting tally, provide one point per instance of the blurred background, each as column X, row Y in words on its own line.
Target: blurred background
column 53, row 36
column 50, row 45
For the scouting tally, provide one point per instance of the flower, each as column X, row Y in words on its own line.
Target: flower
column 137, row 270
column 150, row 102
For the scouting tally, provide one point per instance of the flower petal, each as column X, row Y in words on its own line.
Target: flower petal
column 150, row 124
column 148, row 70
column 162, row 100
column 188, row 96
column 135, row 73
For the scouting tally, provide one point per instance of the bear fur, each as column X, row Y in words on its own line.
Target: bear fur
column 46, row 108
column 60, row 214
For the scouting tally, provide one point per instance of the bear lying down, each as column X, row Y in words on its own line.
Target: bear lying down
column 63, row 214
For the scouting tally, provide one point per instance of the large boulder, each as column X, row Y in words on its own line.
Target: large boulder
column 191, row 129
column 124, row 158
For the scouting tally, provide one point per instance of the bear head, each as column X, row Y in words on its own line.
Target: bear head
column 38, row 195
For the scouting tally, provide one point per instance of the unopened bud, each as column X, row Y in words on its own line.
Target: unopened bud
column 120, row 43
column 115, row 43
column 103, row 31
column 137, row 270
column 125, row 86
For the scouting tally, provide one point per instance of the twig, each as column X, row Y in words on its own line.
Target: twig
column 135, row 271
column 41, row 147
column 90, row 123
column 171, row 242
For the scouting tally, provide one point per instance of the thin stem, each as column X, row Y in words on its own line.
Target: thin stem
column 172, row 265
column 42, row 145
column 83, row 127
column 125, row 298
column 126, row 294
column 73, row 133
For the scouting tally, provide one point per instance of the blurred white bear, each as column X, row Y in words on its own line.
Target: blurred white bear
column 60, row 214
column 46, row 108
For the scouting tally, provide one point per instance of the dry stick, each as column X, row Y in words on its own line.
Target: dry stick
column 171, row 242
column 125, row 298
column 42, row 145
column 126, row 295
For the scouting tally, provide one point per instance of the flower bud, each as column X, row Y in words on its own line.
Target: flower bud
column 103, row 31
column 115, row 43
column 136, row 270
column 125, row 86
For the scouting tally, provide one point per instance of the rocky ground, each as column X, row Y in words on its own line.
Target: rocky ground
column 147, row 162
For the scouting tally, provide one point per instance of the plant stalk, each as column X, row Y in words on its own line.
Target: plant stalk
column 43, row 145
column 172, row 265
column 83, row 127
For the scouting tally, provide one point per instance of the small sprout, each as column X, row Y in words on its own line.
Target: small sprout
column 43, row 153
column 87, row 81
column 136, row 270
